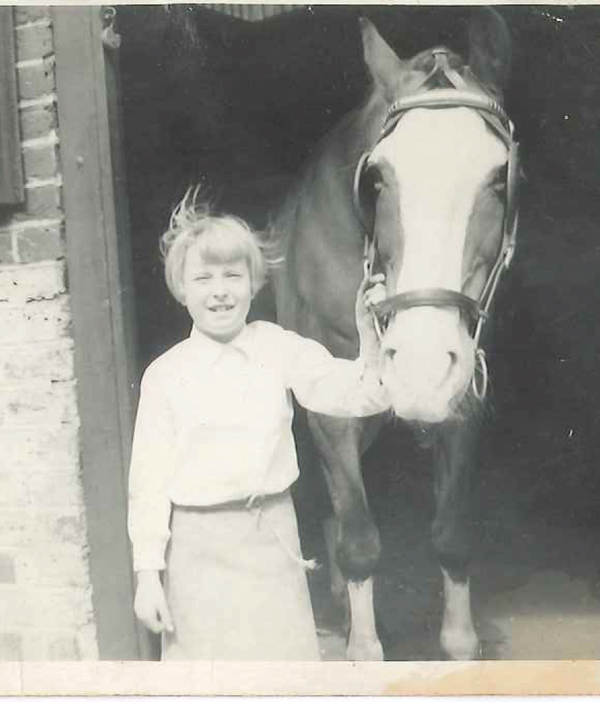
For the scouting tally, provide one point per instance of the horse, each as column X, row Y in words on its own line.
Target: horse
column 418, row 182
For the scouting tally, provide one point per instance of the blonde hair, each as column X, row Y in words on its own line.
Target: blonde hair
column 221, row 238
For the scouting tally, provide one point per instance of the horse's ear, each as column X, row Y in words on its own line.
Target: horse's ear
column 382, row 62
column 490, row 48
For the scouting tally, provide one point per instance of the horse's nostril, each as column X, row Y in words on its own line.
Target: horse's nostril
column 453, row 357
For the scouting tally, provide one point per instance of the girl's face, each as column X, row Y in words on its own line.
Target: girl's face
column 217, row 295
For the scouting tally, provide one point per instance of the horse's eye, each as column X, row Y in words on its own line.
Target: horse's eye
column 372, row 179
column 498, row 182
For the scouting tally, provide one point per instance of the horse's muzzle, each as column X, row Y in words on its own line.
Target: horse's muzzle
column 428, row 362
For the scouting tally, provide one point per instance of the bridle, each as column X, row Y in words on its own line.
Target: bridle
column 461, row 94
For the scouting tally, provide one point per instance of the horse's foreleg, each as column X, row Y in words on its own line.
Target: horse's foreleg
column 357, row 544
column 339, row 586
column 363, row 641
column 355, row 600
column 451, row 533
column 458, row 638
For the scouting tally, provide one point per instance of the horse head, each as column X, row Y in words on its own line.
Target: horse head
column 436, row 194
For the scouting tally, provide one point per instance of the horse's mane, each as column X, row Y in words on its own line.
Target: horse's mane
column 362, row 121
column 282, row 217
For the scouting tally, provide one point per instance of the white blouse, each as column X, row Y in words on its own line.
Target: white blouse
column 214, row 422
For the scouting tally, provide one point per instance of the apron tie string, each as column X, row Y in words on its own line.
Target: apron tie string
column 255, row 503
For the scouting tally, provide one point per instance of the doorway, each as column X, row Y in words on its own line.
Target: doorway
column 237, row 106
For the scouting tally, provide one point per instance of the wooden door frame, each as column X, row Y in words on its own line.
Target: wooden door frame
column 101, row 296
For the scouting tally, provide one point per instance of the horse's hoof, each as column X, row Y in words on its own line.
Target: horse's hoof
column 461, row 646
column 364, row 651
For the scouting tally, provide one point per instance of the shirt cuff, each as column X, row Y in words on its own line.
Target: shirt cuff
column 149, row 556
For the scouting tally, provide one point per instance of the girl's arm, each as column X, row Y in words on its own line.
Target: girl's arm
column 149, row 476
column 149, row 505
column 334, row 386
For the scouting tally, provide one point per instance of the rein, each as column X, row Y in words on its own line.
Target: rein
column 460, row 95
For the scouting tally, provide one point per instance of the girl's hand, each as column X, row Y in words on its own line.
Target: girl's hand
column 370, row 292
column 150, row 603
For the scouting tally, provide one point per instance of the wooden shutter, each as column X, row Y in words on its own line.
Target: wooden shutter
column 11, row 167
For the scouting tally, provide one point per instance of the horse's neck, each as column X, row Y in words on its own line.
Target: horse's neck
column 323, row 239
column 324, row 189
column 354, row 135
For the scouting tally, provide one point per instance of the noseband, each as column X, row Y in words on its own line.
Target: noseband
column 460, row 95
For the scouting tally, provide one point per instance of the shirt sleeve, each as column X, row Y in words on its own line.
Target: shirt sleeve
column 149, row 477
column 328, row 385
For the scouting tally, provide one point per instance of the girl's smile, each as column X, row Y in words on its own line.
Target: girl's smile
column 217, row 294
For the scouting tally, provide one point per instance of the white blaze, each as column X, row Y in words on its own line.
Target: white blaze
column 440, row 157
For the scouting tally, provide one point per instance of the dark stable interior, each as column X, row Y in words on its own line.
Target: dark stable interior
column 237, row 107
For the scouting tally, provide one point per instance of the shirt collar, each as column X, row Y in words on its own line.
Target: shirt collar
column 213, row 350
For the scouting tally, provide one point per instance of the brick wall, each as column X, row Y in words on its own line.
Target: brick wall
column 45, row 593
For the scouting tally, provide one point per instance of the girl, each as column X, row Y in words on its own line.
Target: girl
column 213, row 454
